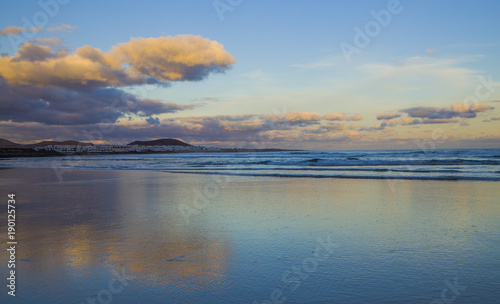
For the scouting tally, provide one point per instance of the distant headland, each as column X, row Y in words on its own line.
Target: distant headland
column 10, row 149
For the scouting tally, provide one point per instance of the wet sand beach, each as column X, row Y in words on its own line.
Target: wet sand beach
column 131, row 236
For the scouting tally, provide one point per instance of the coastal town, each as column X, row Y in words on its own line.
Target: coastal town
column 164, row 145
column 56, row 148
column 72, row 149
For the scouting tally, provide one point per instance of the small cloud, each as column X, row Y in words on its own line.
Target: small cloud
column 334, row 116
column 441, row 120
column 437, row 115
column 430, row 51
column 335, row 126
column 388, row 116
column 4, row 55
column 63, row 28
column 491, row 119
column 406, row 121
column 341, row 116
column 16, row 30
column 480, row 108
column 49, row 41
column 356, row 117
column 316, row 65
column 459, row 108
column 31, row 53
column 381, row 126
column 153, row 121
column 257, row 75
column 205, row 99
column 302, row 117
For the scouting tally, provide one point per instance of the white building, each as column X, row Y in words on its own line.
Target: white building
column 69, row 149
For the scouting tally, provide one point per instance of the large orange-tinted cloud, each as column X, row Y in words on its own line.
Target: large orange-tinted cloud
column 152, row 60
column 45, row 83
column 183, row 57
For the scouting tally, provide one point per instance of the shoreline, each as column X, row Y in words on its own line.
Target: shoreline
column 389, row 179
column 30, row 153
column 390, row 165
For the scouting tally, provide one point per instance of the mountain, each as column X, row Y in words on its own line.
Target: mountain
column 66, row 143
column 4, row 143
column 160, row 142
column 8, row 144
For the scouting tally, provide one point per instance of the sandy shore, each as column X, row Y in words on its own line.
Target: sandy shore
column 214, row 239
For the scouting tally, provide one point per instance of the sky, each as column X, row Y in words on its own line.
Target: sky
column 322, row 75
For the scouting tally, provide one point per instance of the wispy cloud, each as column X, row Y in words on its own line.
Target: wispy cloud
column 320, row 64
column 205, row 99
column 16, row 30
column 56, row 42
column 491, row 119
column 62, row 28
column 420, row 73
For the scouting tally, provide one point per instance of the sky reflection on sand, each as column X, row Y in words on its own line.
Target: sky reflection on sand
column 395, row 242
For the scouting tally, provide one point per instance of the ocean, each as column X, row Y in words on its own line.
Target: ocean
column 316, row 227
column 471, row 164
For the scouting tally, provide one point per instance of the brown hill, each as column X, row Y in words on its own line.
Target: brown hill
column 160, row 142
column 67, row 143
column 4, row 143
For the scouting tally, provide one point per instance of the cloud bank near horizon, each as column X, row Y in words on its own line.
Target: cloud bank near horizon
column 306, row 130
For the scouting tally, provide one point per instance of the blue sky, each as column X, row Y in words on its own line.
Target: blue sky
column 289, row 60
